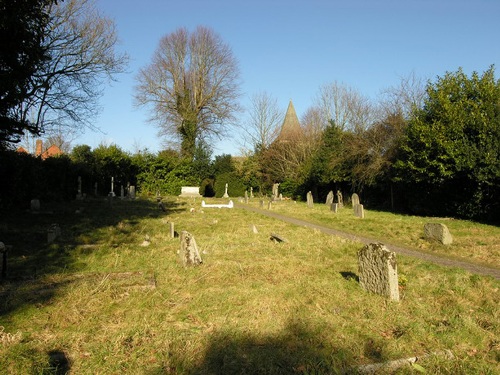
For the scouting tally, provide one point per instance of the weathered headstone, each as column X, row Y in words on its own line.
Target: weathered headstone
column 131, row 192
column 269, row 205
column 340, row 200
column 112, row 192
column 261, row 204
column 189, row 254
column 275, row 190
column 334, row 207
column 438, row 232
column 251, row 192
column 329, row 199
column 35, row 205
column 53, row 232
column 378, row 271
column 359, row 211
column 310, row 200
column 355, row 199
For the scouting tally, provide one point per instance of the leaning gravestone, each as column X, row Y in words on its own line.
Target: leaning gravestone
column 438, row 232
column 310, row 200
column 378, row 271
column 189, row 254
column 329, row 198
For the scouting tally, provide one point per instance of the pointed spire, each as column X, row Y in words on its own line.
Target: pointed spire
column 291, row 125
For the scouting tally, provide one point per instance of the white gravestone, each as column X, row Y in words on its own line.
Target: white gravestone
column 190, row 191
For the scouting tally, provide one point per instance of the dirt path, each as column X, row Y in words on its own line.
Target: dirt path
column 442, row 261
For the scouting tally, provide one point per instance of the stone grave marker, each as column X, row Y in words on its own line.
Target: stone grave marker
column 190, row 191
column 334, row 207
column 189, row 254
column 131, row 192
column 378, row 272
column 329, row 199
column 355, row 199
column 310, row 200
column 35, row 205
column 359, row 211
column 438, row 232
column 340, row 200
column 53, row 232
column 226, row 195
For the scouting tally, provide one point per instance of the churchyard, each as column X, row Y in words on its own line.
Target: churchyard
column 96, row 286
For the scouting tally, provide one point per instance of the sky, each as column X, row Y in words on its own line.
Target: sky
column 290, row 49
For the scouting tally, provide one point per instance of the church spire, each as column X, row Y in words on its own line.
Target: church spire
column 291, row 125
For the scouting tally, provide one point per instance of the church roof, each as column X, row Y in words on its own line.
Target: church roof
column 291, row 125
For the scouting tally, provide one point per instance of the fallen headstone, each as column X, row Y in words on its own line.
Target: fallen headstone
column 378, row 271
column 438, row 232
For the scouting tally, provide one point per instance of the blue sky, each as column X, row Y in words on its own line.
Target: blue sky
column 291, row 48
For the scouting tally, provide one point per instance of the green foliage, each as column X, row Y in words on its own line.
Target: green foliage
column 111, row 161
column 452, row 146
column 236, row 188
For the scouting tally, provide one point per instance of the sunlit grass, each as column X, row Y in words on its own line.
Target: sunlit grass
column 115, row 305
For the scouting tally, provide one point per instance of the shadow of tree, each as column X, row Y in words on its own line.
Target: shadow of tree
column 296, row 350
column 31, row 258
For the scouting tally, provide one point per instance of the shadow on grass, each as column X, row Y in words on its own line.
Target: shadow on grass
column 31, row 258
column 298, row 349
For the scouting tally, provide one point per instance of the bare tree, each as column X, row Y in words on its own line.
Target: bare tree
column 406, row 96
column 80, row 42
column 264, row 121
column 345, row 106
column 192, row 86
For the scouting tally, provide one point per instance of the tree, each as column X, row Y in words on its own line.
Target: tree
column 451, row 149
column 22, row 52
column 81, row 45
column 263, row 125
column 192, row 85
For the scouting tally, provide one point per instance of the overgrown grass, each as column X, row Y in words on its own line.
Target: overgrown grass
column 473, row 242
column 102, row 301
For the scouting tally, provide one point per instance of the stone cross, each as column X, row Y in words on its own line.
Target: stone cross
column 189, row 254
column 112, row 192
column 378, row 271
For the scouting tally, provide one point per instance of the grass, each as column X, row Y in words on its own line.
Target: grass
column 97, row 301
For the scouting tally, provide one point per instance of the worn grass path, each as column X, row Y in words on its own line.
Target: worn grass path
column 440, row 260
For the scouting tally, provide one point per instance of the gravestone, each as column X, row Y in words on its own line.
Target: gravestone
column 112, row 192
column 189, row 254
column 251, row 192
column 438, row 232
column 340, row 200
column 378, row 271
column 329, row 198
column 359, row 211
column 122, row 192
column 275, row 190
column 226, row 195
column 310, row 200
column 190, row 191
column 35, row 205
column 355, row 199
column 131, row 192
column 53, row 232
column 79, row 193
column 334, row 207
column 172, row 230
column 261, row 203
